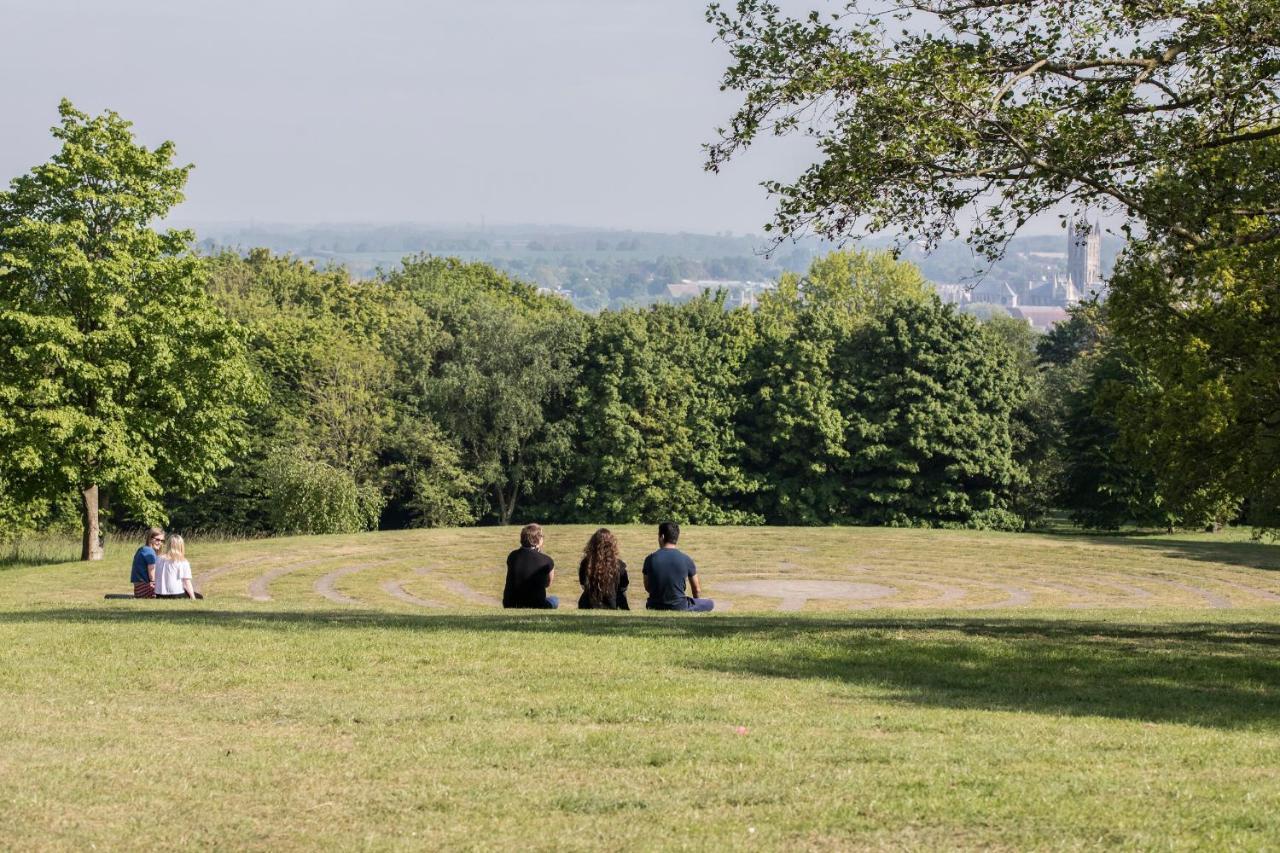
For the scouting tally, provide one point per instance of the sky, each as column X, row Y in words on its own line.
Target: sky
column 574, row 112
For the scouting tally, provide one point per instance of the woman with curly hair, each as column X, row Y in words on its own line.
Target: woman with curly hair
column 602, row 574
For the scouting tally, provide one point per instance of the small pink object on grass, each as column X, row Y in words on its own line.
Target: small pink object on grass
column 742, row 730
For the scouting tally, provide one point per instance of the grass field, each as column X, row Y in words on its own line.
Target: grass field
column 863, row 688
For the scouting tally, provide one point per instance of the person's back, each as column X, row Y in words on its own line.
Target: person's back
column 169, row 575
column 173, row 572
column 529, row 573
column 667, row 570
column 602, row 574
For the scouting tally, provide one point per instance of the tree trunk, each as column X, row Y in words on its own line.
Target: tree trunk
column 504, row 511
column 91, row 545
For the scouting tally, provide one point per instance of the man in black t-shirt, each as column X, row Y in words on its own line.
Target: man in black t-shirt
column 665, row 573
column 529, row 573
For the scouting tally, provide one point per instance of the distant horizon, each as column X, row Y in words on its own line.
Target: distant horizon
column 195, row 224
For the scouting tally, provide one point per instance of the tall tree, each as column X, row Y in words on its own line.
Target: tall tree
column 794, row 426
column 930, row 403
column 499, row 382
column 933, row 117
column 657, row 405
column 1110, row 477
column 930, row 115
column 119, row 373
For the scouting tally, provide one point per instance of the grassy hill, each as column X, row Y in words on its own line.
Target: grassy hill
column 960, row 690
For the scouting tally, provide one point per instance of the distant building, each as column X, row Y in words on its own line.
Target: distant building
column 1039, row 317
column 1084, row 255
column 994, row 293
column 953, row 294
column 1042, row 300
column 684, row 289
column 1049, row 291
column 737, row 293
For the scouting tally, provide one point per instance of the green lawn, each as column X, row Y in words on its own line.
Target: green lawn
column 335, row 713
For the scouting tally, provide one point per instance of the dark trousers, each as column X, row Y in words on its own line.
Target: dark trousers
column 552, row 602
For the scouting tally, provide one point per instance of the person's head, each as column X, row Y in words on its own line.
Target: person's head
column 176, row 549
column 531, row 536
column 600, row 559
column 668, row 533
column 154, row 537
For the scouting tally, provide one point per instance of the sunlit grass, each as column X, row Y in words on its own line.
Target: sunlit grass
column 300, row 723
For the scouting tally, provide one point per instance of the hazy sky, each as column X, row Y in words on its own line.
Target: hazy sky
column 584, row 112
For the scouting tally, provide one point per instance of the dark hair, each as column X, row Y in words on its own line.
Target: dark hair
column 669, row 532
column 600, row 566
column 531, row 535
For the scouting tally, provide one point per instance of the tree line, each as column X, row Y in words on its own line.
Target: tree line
column 933, row 118
column 145, row 383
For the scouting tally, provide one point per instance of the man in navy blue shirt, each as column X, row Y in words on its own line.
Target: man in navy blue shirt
column 665, row 573
column 143, row 576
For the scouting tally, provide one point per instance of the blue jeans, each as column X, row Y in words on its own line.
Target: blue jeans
column 696, row 605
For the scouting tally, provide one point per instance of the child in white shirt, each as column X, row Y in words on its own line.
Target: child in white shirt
column 173, row 572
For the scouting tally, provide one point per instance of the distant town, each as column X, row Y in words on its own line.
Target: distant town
column 1037, row 280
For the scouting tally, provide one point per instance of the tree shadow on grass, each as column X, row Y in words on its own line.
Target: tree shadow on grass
column 1216, row 674
column 1252, row 555
column 1220, row 675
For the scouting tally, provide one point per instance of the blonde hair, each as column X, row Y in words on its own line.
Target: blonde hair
column 176, row 549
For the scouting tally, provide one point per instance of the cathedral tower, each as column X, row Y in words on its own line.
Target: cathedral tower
column 1084, row 255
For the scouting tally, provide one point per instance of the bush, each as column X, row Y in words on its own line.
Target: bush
column 305, row 495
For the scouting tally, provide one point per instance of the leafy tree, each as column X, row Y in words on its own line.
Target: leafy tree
column 1004, row 108
column 120, row 373
column 794, row 425
column 312, row 496
column 1207, row 327
column 1035, row 424
column 313, row 343
column 426, row 478
column 1109, row 480
column 501, row 379
column 859, row 285
column 656, row 409
column 497, row 381
column 1078, row 335
column 936, row 117
column 930, row 399
column 427, row 483
column 344, row 362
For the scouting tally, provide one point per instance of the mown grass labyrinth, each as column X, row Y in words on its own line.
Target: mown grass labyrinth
column 866, row 688
column 767, row 569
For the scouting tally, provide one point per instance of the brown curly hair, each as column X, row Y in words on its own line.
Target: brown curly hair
column 600, row 565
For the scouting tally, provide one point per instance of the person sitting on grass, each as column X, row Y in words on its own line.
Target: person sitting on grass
column 143, row 576
column 665, row 573
column 173, row 572
column 529, row 573
column 602, row 574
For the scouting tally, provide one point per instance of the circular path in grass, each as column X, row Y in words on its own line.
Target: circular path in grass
column 762, row 569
